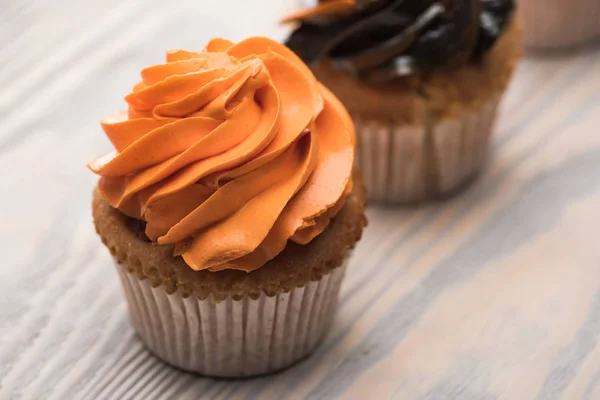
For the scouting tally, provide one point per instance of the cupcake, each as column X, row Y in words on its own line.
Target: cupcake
column 551, row 24
column 230, row 207
column 421, row 80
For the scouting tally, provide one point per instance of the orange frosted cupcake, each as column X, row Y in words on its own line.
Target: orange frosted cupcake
column 421, row 79
column 231, row 206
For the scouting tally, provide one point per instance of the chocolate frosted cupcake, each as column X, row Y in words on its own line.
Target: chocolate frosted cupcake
column 230, row 206
column 421, row 79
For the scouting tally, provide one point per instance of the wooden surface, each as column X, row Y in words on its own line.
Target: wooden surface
column 492, row 294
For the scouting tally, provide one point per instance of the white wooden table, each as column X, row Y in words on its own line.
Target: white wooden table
column 492, row 294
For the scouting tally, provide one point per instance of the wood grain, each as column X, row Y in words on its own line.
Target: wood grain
column 493, row 294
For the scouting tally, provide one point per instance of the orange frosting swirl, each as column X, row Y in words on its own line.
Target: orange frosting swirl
column 229, row 153
column 323, row 9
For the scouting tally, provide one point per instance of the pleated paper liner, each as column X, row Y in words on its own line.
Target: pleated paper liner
column 408, row 164
column 232, row 338
column 550, row 24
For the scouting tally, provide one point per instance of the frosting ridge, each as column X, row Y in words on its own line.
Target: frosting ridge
column 229, row 153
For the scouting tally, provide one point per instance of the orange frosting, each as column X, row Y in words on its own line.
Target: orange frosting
column 229, row 153
column 323, row 9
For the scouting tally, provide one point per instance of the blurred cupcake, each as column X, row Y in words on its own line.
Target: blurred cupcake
column 421, row 79
column 230, row 204
column 558, row 23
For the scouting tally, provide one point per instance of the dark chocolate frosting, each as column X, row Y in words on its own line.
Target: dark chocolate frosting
column 383, row 39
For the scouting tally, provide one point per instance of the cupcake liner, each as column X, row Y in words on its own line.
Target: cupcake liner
column 559, row 23
column 232, row 338
column 409, row 163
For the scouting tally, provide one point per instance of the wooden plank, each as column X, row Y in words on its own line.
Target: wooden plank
column 492, row 294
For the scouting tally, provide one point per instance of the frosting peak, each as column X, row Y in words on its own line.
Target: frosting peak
column 229, row 153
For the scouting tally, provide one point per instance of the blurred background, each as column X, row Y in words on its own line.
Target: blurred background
column 493, row 294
